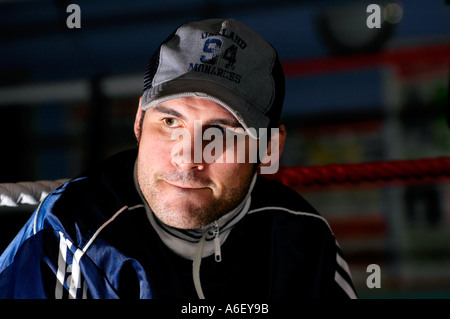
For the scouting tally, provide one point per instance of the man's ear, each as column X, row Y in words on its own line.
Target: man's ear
column 282, row 139
column 270, row 163
column 137, row 121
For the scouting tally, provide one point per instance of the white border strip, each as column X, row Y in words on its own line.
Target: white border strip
column 291, row 211
column 344, row 285
column 86, row 247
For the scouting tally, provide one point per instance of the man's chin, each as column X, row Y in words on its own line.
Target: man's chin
column 184, row 220
column 190, row 213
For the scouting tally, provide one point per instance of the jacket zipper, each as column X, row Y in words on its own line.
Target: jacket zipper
column 217, row 251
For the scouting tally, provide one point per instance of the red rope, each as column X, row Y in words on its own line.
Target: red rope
column 407, row 60
column 369, row 172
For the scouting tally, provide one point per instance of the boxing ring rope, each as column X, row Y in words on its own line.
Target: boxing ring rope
column 32, row 193
column 419, row 170
column 26, row 193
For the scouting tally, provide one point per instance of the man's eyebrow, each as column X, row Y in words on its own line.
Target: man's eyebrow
column 224, row 122
column 220, row 121
column 169, row 111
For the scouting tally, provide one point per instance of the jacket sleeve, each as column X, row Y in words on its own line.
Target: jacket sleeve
column 41, row 265
column 334, row 277
column 342, row 284
column 25, row 271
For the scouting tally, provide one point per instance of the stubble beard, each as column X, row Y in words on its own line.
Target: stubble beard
column 181, row 211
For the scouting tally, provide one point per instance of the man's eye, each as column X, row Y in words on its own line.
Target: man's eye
column 220, row 128
column 171, row 122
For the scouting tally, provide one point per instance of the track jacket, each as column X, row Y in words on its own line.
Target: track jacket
column 95, row 237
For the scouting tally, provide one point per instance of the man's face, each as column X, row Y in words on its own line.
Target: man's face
column 187, row 194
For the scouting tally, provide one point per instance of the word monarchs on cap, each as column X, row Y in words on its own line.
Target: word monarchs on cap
column 229, row 145
column 213, row 70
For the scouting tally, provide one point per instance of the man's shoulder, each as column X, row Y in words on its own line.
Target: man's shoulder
column 110, row 179
column 272, row 200
column 90, row 199
column 271, row 193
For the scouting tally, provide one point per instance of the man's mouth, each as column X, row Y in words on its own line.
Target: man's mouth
column 186, row 186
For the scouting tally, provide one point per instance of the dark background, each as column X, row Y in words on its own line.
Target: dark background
column 68, row 99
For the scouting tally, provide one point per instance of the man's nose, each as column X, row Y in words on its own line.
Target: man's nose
column 183, row 166
column 187, row 153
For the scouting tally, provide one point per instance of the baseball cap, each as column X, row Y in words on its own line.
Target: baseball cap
column 222, row 60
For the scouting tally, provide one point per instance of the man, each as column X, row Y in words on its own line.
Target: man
column 187, row 215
